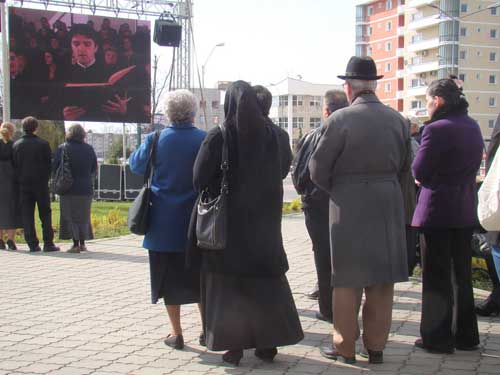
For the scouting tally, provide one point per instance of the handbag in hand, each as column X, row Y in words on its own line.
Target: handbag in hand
column 138, row 213
column 211, row 220
column 62, row 180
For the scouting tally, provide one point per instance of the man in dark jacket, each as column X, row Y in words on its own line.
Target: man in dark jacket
column 315, row 204
column 32, row 162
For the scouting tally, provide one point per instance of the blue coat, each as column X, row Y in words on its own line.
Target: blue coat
column 446, row 165
column 173, row 195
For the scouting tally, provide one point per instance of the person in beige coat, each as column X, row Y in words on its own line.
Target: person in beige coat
column 362, row 161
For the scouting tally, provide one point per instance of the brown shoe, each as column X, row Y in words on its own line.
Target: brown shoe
column 74, row 250
column 83, row 248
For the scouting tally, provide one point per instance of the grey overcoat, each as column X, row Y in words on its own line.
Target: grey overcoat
column 360, row 161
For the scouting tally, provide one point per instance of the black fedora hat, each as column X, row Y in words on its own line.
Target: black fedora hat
column 363, row 68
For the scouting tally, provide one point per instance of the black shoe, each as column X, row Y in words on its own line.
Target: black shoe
column 313, row 294
column 176, row 342
column 201, row 339
column 322, row 317
column 50, row 248
column 233, row 357
column 267, row 355
column 34, row 249
column 419, row 343
column 374, row 356
column 331, row 352
column 487, row 308
column 466, row 348
column 2, row 245
column 12, row 245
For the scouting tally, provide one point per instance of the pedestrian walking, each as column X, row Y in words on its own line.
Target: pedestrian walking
column 75, row 204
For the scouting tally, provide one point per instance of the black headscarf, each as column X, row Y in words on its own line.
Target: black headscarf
column 455, row 102
column 494, row 142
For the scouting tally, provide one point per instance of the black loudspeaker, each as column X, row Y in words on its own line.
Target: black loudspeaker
column 167, row 33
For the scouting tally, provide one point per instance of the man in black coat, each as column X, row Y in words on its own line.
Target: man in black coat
column 315, row 204
column 32, row 165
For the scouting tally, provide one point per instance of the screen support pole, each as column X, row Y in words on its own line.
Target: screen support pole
column 5, row 63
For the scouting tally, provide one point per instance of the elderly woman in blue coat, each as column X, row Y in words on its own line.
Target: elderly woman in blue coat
column 173, row 198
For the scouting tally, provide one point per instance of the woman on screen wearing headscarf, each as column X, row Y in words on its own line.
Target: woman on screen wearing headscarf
column 246, row 299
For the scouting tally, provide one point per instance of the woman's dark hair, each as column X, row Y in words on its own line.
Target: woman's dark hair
column 76, row 133
column 454, row 99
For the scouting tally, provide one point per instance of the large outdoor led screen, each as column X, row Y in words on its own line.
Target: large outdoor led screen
column 77, row 67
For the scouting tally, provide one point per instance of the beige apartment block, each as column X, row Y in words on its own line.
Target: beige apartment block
column 297, row 106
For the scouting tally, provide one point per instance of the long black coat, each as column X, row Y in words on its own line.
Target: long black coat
column 254, row 245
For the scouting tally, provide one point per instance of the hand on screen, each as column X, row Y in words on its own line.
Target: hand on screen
column 73, row 113
column 118, row 105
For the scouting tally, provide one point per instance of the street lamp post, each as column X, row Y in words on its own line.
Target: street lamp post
column 206, row 61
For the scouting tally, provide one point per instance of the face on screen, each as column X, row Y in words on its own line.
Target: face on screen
column 84, row 49
column 110, row 57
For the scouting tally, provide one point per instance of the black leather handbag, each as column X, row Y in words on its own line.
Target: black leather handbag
column 138, row 213
column 62, row 180
column 211, row 220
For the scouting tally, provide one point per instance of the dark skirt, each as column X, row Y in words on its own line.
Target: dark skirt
column 171, row 280
column 244, row 313
column 75, row 218
column 10, row 208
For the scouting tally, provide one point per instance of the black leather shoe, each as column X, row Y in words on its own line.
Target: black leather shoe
column 314, row 293
column 331, row 352
column 267, row 355
column 176, row 342
column 233, row 357
column 12, row 245
column 202, row 340
column 50, row 248
column 320, row 316
column 374, row 356
column 487, row 308
column 419, row 343
column 466, row 348
column 2, row 245
column 35, row 249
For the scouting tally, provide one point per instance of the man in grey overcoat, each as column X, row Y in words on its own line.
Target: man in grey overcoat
column 360, row 161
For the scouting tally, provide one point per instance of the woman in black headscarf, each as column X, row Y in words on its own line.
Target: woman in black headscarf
column 246, row 299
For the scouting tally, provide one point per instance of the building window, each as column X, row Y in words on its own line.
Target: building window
column 314, row 122
column 283, row 122
column 478, row 76
column 388, row 87
column 463, row 8
column 492, row 79
column 388, row 5
column 297, row 122
column 461, row 77
column 388, row 67
column 283, row 101
column 463, row 31
column 493, row 56
column 493, row 11
column 370, row 11
column 297, row 101
column 315, row 101
column 388, row 26
column 491, row 124
column 370, row 30
column 462, row 55
column 369, row 51
column 416, row 104
column 388, row 46
column 492, row 102
column 215, row 105
column 493, row 33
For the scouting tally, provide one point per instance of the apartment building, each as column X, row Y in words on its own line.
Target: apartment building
column 211, row 107
column 442, row 37
column 380, row 34
column 297, row 106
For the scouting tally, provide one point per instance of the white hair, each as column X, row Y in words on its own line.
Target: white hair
column 180, row 106
column 358, row 85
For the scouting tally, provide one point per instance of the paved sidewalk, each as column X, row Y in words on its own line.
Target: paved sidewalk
column 90, row 313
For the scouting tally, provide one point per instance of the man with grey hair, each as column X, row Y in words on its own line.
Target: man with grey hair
column 360, row 161
column 315, row 205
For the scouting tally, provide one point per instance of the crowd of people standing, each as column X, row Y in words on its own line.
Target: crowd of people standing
column 360, row 208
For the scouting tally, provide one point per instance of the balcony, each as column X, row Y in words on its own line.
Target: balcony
column 400, row 73
column 418, row 3
column 423, row 45
column 422, row 68
column 362, row 39
column 424, row 22
column 400, row 52
column 401, row 31
column 419, row 90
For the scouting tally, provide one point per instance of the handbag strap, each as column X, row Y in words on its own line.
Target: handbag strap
column 224, row 166
column 148, row 176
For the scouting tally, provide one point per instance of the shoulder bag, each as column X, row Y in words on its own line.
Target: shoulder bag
column 138, row 213
column 211, row 220
column 63, row 179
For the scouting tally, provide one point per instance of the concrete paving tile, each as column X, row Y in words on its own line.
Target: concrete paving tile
column 39, row 368
column 71, row 371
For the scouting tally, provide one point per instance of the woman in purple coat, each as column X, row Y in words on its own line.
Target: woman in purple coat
column 446, row 166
